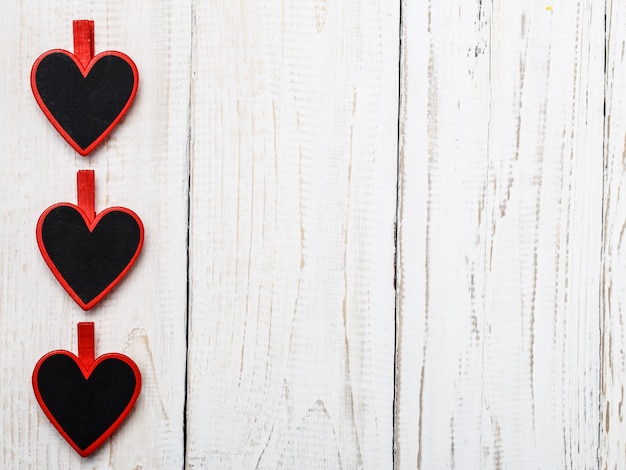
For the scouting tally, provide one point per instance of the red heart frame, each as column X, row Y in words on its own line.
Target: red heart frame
column 84, row 60
column 85, row 207
column 87, row 364
column 90, row 225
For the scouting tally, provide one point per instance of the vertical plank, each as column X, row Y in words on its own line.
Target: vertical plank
column 500, row 209
column 291, row 325
column 541, row 338
column 143, row 165
column 441, row 236
column 613, row 428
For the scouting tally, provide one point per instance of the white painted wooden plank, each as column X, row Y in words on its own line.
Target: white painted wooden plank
column 291, row 329
column 441, row 237
column 142, row 166
column 613, row 427
column 541, row 332
column 500, row 209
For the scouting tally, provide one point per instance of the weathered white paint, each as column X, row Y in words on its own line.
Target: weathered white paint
column 441, row 240
column 613, row 428
column 501, row 220
column 541, row 369
column 265, row 334
column 293, row 177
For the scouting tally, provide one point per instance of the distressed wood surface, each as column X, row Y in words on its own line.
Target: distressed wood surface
column 441, row 237
column 613, row 428
column 267, row 316
column 142, row 166
column 293, row 177
column 542, row 337
column 500, row 235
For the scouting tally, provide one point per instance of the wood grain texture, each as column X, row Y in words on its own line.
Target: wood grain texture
column 143, row 166
column 441, row 238
column 613, row 427
column 261, row 154
column 541, row 339
column 293, row 177
column 499, row 235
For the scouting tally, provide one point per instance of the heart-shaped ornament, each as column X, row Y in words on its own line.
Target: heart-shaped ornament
column 84, row 97
column 86, row 398
column 88, row 253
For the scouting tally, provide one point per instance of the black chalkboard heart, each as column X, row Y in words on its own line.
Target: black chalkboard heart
column 88, row 254
column 84, row 97
column 89, row 259
column 86, row 399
